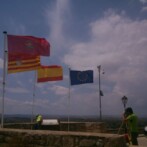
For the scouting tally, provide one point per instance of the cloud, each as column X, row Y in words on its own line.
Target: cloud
column 114, row 40
column 20, row 29
column 57, row 18
column 46, row 106
column 60, row 90
column 119, row 45
column 144, row 9
column 17, row 90
column 143, row 1
column 13, row 106
column 1, row 63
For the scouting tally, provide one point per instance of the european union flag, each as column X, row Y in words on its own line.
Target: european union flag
column 81, row 77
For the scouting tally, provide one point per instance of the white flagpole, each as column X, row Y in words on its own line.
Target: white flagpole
column 69, row 102
column 34, row 94
column 4, row 76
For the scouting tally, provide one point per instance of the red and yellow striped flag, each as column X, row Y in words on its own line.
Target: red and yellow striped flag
column 23, row 64
column 49, row 73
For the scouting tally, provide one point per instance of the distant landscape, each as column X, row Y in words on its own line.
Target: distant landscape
column 112, row 123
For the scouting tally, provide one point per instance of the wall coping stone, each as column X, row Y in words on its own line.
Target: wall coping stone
column 64, row 133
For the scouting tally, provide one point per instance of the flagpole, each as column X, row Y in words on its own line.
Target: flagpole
column 34, row 94
column 69, row 102
column 4, row 77
column 99, row 71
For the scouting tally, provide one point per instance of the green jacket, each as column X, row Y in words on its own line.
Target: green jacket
column 39, row 118
column 132, row 121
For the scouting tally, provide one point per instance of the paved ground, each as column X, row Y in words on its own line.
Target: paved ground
column 142, row 140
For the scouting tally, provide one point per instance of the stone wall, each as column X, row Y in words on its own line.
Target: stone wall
column 98, row 127
column 46, row 138
column 31, row 126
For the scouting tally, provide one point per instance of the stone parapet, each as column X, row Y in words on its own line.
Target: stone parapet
column 98, row 127
column 45, row 138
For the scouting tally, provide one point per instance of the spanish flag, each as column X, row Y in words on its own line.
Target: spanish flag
column 49, row 73
column 23, row 64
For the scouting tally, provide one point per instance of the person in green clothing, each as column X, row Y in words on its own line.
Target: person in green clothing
column 132, row 123
column 38, row 122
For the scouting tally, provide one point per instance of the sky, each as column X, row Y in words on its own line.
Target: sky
column 83, row 34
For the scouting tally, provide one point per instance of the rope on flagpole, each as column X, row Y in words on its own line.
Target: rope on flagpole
column 69, row 103
column 4, row 76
